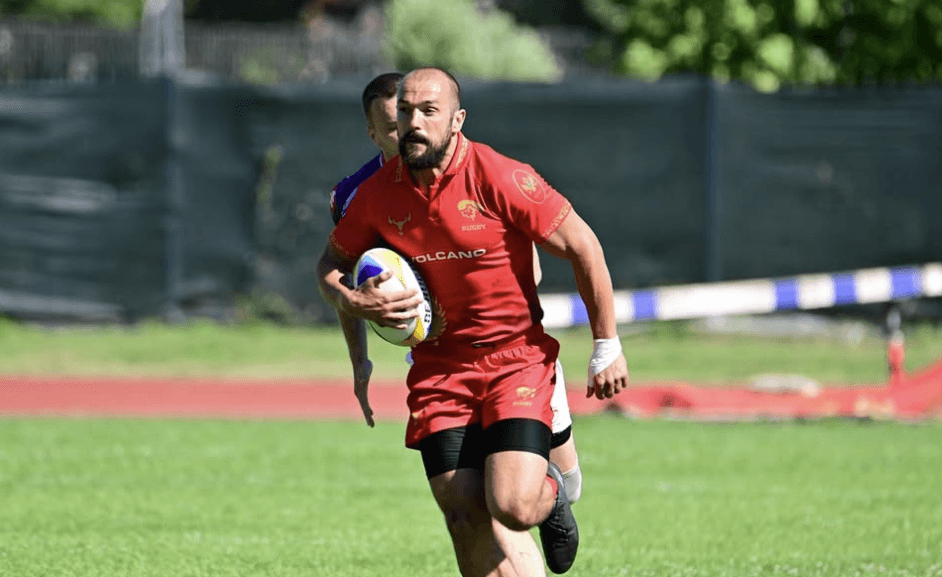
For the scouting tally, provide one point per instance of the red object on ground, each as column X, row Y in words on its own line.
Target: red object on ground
column 896, row 359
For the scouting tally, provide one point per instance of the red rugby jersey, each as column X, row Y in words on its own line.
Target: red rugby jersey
column 469, row 237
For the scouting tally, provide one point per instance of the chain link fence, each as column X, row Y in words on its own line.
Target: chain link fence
column 320, row 51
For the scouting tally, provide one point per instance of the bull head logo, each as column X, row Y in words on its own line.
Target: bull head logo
column 400, row 223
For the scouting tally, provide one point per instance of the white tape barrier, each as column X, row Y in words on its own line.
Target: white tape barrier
column 803, row 292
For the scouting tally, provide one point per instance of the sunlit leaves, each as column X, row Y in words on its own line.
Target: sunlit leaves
column 771, row 43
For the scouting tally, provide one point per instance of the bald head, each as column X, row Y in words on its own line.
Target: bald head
column 433, row 80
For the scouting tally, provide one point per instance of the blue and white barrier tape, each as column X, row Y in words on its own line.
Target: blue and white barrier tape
column 812, row 291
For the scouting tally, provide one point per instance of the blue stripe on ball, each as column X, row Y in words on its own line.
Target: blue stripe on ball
column 368, row 271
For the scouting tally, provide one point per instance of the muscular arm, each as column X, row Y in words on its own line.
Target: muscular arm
column 577, row 243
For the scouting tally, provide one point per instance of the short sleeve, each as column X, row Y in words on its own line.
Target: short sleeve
column 525, row 199
column 355, row 233
column 335, row 212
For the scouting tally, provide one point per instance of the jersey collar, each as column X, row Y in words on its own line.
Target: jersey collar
column 461, row 154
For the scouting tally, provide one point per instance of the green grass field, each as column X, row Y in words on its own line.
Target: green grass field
column 156, row 498
column 97, row 498
column 665, row 351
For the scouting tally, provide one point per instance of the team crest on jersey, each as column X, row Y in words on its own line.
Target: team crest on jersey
column 469, row 208
column 529, row 186
column 400, row 223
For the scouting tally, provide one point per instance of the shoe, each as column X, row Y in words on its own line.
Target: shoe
column 559, row 533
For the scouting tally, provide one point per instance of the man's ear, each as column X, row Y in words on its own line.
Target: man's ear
column 458, row 120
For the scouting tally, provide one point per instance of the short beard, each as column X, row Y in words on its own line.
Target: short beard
column 431, row 158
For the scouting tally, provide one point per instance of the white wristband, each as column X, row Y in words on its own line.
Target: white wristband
column 604, row 353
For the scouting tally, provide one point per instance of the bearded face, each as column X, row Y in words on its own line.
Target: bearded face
column 428, row 116
column 419, row 153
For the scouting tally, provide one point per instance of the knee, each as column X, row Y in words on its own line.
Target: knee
column 514, row 512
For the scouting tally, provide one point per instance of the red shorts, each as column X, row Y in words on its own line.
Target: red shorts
column 455, row 387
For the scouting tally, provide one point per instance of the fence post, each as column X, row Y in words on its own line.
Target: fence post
column 162, row 50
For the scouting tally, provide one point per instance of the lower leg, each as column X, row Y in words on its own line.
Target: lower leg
column 522, row 553
column 483, row 546
column 566, row 458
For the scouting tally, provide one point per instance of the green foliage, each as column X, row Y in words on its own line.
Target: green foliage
column 454, row 35
column 770, row 44
column 882, row 40
column 121, row 14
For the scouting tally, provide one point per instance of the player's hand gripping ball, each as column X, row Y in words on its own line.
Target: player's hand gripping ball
column 378, row 260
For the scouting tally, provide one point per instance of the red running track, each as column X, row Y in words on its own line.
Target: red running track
column 909, row 397
column 219, row 398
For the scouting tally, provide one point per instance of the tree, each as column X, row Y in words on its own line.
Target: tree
column 770, row 43
column 882, row 40
column 455, row 35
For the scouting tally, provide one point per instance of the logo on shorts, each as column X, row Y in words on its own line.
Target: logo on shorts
column 524, row 396
column 400, row 223
column 529, row 186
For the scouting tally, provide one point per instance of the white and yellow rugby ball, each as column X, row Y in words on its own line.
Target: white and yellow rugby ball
column 378, row 260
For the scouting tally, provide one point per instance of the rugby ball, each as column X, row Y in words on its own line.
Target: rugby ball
column 378, row 260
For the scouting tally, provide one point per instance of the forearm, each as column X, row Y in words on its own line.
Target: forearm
column 330, row 277
column 595, row 287
column 575, row 241
column 354, row 333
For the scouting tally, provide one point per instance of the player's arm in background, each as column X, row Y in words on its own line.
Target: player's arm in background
column 575, row 241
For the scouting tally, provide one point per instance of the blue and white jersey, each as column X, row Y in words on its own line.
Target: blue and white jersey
column 346, row 189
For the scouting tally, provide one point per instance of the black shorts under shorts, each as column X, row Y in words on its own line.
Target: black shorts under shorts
column 467, row 447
